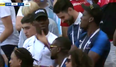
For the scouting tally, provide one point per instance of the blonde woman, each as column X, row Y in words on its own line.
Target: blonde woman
column 30, row 9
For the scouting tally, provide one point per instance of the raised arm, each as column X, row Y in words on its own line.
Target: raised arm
column 18, row 19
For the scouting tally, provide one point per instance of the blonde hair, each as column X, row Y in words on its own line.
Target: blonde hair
column 30, row 9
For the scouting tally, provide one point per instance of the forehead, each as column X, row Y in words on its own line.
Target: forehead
column 13, row 55
column 42, row 18
column 86, row 13
column 61, row 14
column 54, row 42
column 38, row 21
column 27, row 24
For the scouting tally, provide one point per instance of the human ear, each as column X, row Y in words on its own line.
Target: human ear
column 91, row 19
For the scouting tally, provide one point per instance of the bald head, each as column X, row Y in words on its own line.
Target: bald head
column 63, row 42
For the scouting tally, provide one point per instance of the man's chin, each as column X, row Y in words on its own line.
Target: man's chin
column 52, row 58
column 28, row 36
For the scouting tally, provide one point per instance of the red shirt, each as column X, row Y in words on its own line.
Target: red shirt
column 77, row 7
column 102, row 2
column 110, row 1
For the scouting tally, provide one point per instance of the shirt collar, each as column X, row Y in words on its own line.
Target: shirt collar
column 48, row 34
column 77, row 21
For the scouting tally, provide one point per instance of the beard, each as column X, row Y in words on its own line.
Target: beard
column 70, row 21
column 53, row 57
column 39, row 31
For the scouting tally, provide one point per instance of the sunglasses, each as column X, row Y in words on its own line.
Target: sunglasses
column 52, row 46
column 68, row 60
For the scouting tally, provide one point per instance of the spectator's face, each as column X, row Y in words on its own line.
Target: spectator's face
column 85, row 20
column 68, row 62
column 29, row 29
column 66, row 17
column 41, row 24
column 54, row 51
column 14, row 61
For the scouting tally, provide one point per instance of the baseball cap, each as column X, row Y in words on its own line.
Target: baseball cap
column 40, row 13
column 93, row 9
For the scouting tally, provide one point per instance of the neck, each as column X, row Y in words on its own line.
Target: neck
column 60, row 58
column 75, row 15
column 91, row 29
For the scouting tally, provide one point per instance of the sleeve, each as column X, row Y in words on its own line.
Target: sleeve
column 20, row 12
column 102, row 44
column 102, row 2
column 5, row 11
column 2, row 53
column 99, row 2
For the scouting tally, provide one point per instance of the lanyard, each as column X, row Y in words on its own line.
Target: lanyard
column 63, row 62
column 77, row 34
column 88, row 42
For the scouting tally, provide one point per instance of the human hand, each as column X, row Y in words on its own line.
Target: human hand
column 42, row 38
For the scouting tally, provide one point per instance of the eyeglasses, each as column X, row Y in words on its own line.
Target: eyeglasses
column 52, row 46
column 68, row 60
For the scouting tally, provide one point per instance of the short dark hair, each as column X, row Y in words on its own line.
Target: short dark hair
column 95, row 11
column 62, row 6
column 27, row 19
column 24, row 55
column 2, row 62
column 63, row 42
column 79, row 58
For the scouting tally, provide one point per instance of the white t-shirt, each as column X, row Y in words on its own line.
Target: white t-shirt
column 8, row 11
column 39, row 51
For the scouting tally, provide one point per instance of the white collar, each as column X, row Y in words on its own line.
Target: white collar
column 62, row 63
column 48, row 34
column 77, row 21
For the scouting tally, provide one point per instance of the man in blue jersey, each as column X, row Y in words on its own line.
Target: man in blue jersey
column 95, row 42
column 65, row 11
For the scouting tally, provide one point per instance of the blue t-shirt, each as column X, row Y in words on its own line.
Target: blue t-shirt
column 6, row 65
column 73, row 28
column 100, row 45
